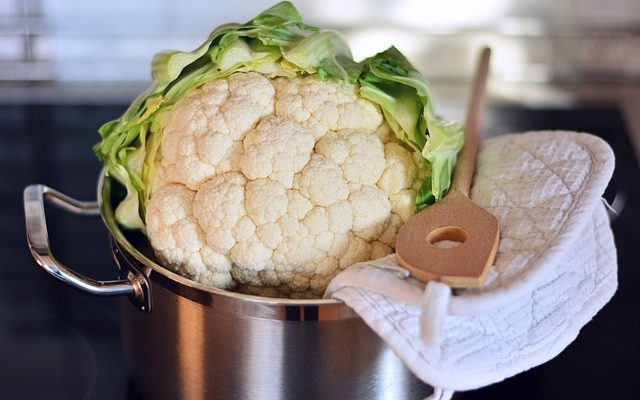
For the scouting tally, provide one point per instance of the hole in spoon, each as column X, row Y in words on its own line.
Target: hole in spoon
column 447, row 237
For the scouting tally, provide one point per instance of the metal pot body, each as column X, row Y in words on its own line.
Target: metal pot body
column 186, row 350
column 183, row 340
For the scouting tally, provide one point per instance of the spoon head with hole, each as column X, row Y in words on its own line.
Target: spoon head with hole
column 453, row 241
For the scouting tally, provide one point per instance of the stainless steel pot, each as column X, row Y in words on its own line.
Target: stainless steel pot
column 184, row 340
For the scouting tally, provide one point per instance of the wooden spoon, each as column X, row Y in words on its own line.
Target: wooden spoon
column 454, row 241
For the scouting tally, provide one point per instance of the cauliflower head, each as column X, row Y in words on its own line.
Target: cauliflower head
column 268, row 160
column 277, row 182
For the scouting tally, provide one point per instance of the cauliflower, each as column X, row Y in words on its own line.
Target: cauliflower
column 268, row 160
column 264, row 186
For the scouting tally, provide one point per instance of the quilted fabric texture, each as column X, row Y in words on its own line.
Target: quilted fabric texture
column 555, row 268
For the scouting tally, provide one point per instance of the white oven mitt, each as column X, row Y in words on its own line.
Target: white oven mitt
column 555, row 268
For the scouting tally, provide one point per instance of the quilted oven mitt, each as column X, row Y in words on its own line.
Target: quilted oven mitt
column 555, row 268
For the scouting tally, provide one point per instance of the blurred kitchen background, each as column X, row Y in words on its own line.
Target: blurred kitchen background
column 67, row 41
column 76, row 42
column 546, row 52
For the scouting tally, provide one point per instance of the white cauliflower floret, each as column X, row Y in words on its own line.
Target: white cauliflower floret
column 384, row 133
column 324, row 106
column 422, row 171
column 379, row 250
column 270, row 235
column 400, row 171
column 218, row 206
column 178, row 240
column 279, row 183
column 358, row 250
column 299, row 205
column 249, row 256
column 265, row 192
column 340, row 217
column 403, row 204
column 388, row 237
column 371, row 212
column 321, row 182
column 204, row 126
column 359, row 155
column 278, row 157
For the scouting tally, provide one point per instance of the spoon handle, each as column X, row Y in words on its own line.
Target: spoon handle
column 463, row 173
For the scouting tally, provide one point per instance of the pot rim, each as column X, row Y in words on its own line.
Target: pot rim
column 108, row 217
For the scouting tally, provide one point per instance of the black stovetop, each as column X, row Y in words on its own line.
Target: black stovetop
column 57, row 343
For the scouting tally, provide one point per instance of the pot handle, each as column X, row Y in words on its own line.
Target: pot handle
column 38, row 239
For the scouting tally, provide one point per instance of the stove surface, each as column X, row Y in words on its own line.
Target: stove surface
column 58, row 343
